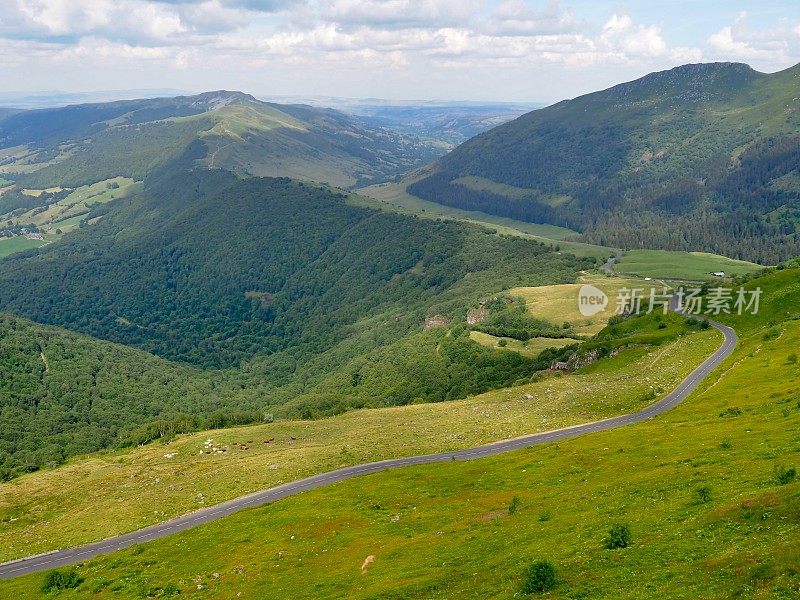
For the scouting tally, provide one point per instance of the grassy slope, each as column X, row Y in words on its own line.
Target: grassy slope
column 558, row 304
column 142, row 486
column 444, row 531
column 73, row 146
column 18, row 244
column 681, row 159
column 532, row 347
column 681, row 265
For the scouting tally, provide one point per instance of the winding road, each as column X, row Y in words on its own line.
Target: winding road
column 72, row 556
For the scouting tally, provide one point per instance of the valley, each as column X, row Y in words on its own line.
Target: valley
column 395, row 350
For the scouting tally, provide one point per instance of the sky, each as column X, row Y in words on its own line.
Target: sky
column 478, row 50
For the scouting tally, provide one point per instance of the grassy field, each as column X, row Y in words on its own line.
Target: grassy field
column 703, row 490
column 532, row 347
column 558, row 304
column 142, row 486
column 17, row 244
column 391, row 196
column 68, row 212
column 681, row 265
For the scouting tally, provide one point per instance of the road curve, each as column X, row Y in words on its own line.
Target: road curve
column 61, row 558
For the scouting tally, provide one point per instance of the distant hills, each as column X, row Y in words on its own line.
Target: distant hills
column 445, row 124
column 701, row 157
column 81, row 144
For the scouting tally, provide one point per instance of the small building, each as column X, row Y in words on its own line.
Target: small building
column 718, row 273
column 34, row 236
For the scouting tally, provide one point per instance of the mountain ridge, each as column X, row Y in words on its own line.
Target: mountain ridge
column 84, row 143
column 671, row 160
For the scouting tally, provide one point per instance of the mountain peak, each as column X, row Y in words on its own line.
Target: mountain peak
column 692, row 83
column 220, row 99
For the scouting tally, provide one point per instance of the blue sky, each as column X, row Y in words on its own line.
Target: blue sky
column 515, row 50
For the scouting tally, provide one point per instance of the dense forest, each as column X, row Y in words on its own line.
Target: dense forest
column 702, row 157
column 208, row 269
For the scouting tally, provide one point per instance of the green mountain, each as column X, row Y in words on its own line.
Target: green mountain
column 701, row 157
column 83, row 144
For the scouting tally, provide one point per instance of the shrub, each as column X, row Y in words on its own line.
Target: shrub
column 514, row 506
column 726, row 444
column 704, row 494
column 619, row 536
column 792, row 359
column 731, row 411
column 784, row 475
column 502, row 343
column 540, row 577
column 61, row 580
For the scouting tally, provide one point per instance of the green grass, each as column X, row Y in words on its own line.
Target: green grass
column 142, row 486
column 18, row 244
column 393, row 197
column 558, row 304
column 693, row 266
column 445, row 531
column 532, row 347
column 69, row 211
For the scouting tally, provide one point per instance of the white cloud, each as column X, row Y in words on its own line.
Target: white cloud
column 516, row 17
column 418, row 39
column 399, row 13
column 778, row 44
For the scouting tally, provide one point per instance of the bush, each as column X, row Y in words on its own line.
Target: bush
column 704, row 494
column 514, row 506
column 61, row 580
column 540, row 577
column 502, row 343
column 619, row 536
column 792, row 359
column 784, row 475
column 731, row 411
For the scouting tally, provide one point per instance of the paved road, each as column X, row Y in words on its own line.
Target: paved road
column 62, row 558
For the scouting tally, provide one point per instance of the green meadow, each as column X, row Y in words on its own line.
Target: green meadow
column 681, row 265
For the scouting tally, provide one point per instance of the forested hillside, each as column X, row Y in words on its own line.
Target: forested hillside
column 208, row 269
column 259, row 296
column 82, row 144
column 702, row 157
